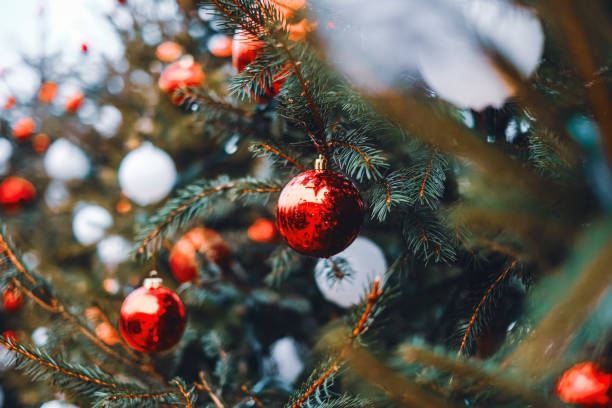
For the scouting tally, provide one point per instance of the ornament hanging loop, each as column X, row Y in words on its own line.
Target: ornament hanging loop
column 320, row 163
column 153, row 281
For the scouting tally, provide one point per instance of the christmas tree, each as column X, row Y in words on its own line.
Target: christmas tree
column 282, row 203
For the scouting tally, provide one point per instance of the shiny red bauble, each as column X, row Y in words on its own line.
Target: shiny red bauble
column 16, row 190
column 11, row 300
column 185, row 72
column 584, row 383
column 183, row 260
column 319, row 213
column 74, row 102
column 23, row 128
column 152, row 318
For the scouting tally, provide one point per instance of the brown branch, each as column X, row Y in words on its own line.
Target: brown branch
column 333, row 368
column 56, row 367
column 360, row 328
column 433, row 156
column 482, row 302
column 260, row 190
column 205, row 99
column 173, row 214
column 256, row 400
column 139, row 396
column 372, row 297
column 210, row 392
column 366, row 159
column 283, row 155
column 6, row 249
column 184, row 394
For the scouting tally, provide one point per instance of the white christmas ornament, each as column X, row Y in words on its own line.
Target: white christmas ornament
column 56, row 194
column 57, row 404
column 444, row 40
column 90, row 223
column 6, row 151
column 66, row 161
column 366, row 262
column 40, row 336
column 113, row 250
column 457, row 68
column 147, row 174
column 285, row 356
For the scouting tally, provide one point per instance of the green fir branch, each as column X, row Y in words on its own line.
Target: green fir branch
column 283, row 261
column 426, row 237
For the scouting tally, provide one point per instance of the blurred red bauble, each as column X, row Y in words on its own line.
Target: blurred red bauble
column 288, row 7
column 262, row 230
column 121, row 1
column 220, row 45
column 9, row 334
column 152, row 318
column 319, row 212
column 585, row 384
column 84, row 47
column 168, row 51
column 11, row 300
column 107, row 333
column 23, row 128
column 74, row 102
column 10, row 102
column 183, row 260
column 47, row 92
column 41, row 142
column 185, row 72
column 16, row 190
column 245, row 49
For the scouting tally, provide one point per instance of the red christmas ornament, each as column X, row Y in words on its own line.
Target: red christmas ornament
column 121, row 1
column 15, row 190
column 41, row 142
column 84, row 47
column 245, row 49
column 47, row 92
column 10, row 102
column 585, row 384
column 168, row 51
column 262, row 230
column 220, row 45
column 152, row 318
column 9, row 334
column 183, row 260
column 288, row 7
column 11, row 300
column 107, row 333
column 23, row 128
column 74, row 102
column 319, row 212
column 185, row 72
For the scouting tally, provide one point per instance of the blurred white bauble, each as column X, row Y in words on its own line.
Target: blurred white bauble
column 56, row 194
column 285, row 356
column 113, row 250
column 457, row 68
column 7, row 358
column 108, row 121
column 57, row 404
column 6, row 150
column 147, row 174
column 381, row 48
column 66, row 161
column 40, row 336
column 90, row 223
column 365, row 262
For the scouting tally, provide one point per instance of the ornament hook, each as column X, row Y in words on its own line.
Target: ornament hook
column 153, row 281
column 320, row 163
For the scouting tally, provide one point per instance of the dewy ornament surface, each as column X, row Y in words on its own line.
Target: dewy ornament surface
column 152, row 318
column 319, row 212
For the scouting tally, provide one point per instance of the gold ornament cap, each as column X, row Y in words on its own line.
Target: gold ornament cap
column 320, row 163
column 153, row 281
